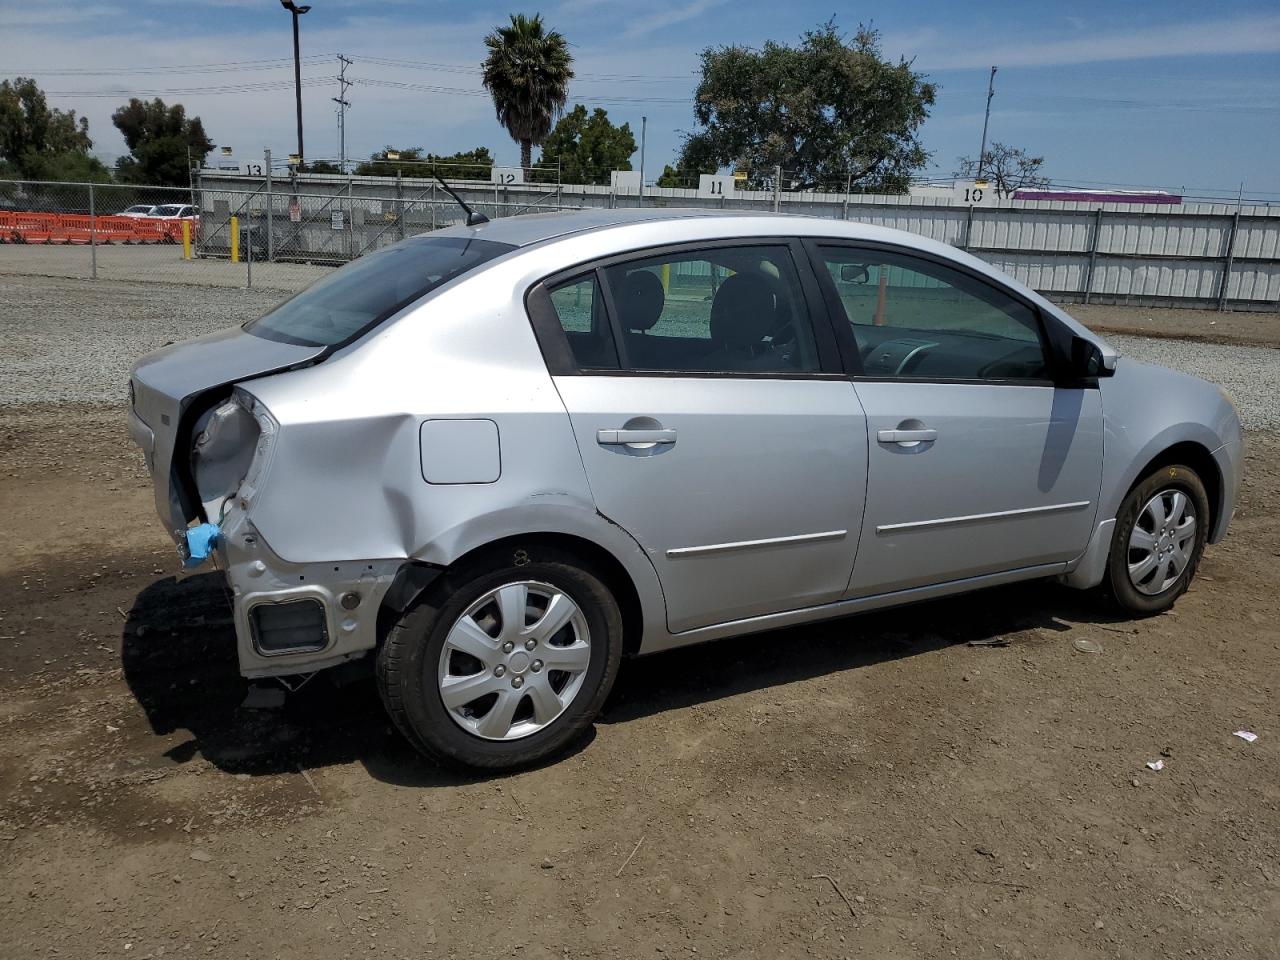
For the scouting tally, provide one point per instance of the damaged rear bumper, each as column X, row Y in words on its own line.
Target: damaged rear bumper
column 294, row 618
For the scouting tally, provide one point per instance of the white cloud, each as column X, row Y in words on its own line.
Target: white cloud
column 937, row 50
column 669, row 16
column 15, row 16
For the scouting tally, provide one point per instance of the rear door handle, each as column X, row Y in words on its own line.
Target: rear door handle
column 907, row 436
column 611, row 437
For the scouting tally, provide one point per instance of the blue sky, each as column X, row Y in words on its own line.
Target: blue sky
column 1177, row 94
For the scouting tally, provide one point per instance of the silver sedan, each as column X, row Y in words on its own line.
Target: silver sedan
column 492, row 460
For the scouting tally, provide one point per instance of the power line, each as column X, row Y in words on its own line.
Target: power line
column 262, row 87
column 461, row 68
column 233, row 66
column 476, row 92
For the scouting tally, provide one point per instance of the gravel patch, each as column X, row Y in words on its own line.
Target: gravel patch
column 1250, row 374
column 74, row 340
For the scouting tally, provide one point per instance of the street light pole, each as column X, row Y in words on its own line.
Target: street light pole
column 297, row 11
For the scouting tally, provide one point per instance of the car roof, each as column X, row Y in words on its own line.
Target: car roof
column 530, row 229
column 526, row 229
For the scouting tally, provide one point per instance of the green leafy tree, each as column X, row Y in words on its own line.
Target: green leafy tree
column 587, row 147
column 828, row 111
column 682, row 175
column 1011, row 168
column 320, row 166
column 38, row 142
column 474, row 164
column 410, row 162
column 164, row 143
column 527, row 72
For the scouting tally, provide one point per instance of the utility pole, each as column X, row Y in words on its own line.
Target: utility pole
column 991, row 92
column 343, row 103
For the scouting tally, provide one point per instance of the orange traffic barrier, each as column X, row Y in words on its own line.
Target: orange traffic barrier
column 18, row 226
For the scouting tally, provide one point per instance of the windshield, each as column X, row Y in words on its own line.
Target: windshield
column 168, row 210
column 362, row 294
column 139, row 208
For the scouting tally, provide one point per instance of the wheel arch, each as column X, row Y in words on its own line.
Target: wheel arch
column 1197, row 456
column 601, row 562
column 610, row 553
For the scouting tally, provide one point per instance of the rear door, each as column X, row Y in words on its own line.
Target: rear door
column 979, row 462
column 714, row 423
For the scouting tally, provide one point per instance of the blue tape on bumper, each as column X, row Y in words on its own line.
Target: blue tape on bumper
column 200, row 543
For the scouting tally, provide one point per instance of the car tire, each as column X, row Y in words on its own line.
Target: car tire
column 1174, row 492
column 424, row 652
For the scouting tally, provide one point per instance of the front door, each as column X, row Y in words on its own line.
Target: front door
column 978, row 462
column 716, row 432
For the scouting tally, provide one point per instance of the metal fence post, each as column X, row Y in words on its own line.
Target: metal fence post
column 1230, row 257
column 350, row 224
column 968, row 228
column 1093, row 254
column 271, row 245
column 199, row 205
column 248, row 255
column 93, row 236
column 400, row 204
column 777, row 188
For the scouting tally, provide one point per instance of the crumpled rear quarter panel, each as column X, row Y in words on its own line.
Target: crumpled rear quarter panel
column 346, row 478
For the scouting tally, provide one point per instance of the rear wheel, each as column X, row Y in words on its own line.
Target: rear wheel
column 503, row 663
column 1159, row 539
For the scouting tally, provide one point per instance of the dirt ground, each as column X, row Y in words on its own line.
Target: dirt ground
column 876, row 787
column 1247, row 328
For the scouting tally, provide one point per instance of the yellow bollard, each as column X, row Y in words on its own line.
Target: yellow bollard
column 666, row 278
column 235, row 239
column 186, row 239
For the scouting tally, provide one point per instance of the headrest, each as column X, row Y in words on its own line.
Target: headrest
column 640, row 300
column 743, row 312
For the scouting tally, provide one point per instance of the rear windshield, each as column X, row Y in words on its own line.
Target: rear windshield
column 365, row 292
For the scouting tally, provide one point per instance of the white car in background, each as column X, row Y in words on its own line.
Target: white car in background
column 174, row 211
column 138, row 210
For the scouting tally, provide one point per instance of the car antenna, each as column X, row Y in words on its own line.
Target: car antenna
column 473, row 218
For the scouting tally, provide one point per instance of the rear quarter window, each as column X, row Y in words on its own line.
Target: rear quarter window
column 357, row 297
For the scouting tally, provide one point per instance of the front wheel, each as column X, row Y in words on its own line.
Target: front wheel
column 504, row 662
column 1159, row 538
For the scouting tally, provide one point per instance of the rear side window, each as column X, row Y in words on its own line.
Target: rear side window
column 718, row 310
column 362, row 294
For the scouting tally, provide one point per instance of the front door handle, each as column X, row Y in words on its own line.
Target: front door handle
column 611, row 437
column 907, row 436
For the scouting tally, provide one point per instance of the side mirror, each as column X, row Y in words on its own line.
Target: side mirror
column 853, row 273
column 1087, row 360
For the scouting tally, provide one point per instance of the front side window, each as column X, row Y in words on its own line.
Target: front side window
column 918, row 319
column 720, row 310
column 362, row 294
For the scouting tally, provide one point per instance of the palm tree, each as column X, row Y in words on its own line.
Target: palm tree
column 527, row 72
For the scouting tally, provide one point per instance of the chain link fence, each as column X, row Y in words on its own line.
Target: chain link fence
column 283, row 231
column 275, row 235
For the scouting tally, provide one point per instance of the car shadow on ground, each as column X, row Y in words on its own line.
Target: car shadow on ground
column 179, row 661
